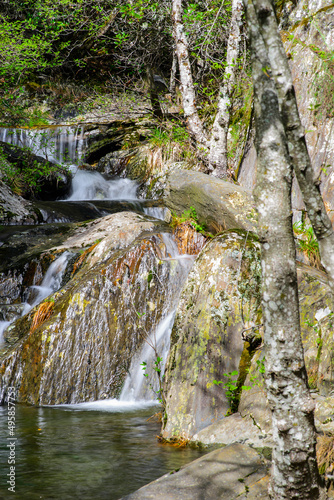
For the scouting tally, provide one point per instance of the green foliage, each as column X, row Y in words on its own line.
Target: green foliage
column 166, row 135
column 307, row 242
column 157, row 367
column 26, row 175
column 190, row 217
column 233, row 385
column 230, row 386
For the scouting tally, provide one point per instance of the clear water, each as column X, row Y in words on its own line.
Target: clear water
column 74, row 453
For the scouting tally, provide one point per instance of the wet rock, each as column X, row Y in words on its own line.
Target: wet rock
column 15, row 210
column 83, row 350
column 234, row 472
column 111, row 138
column 219, row 205
column 221, row 292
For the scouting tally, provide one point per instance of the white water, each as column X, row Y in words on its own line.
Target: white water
column 93, row 186
column 65, row 145
column 108, row 405
column 3, row 326
column 137, row 387
column 56, row 144
column 50, row 284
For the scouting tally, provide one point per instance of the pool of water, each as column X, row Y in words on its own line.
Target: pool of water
column 98, row 451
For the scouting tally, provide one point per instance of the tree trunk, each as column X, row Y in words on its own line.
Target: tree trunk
column 172, row 81
column 295, row 134
column 187, row 87
column 294, row 471
column 218, row 142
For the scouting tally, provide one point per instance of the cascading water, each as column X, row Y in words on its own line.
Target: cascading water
column 138, row 387
column 65, row 145
column 50, row 284
column 93, row 186
column 56, row 144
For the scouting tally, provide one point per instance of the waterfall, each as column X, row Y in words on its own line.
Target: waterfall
column 93, row 186
column 3, row 326
column 50, row 284
column 56, row 144
column 67, row 145
column 138, row 387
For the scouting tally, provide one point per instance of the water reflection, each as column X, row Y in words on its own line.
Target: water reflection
column 71, row 453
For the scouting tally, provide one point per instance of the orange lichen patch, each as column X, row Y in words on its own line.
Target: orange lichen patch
column 82, row 257
column 325, row 454
column 157, row 417
column 188, row 240
column 177, row 442
column 128, row 265
column 42, row 314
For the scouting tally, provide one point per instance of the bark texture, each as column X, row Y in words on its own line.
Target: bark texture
column 294, row 470
column 218, row 141
column 309, row 187
column 187, row 87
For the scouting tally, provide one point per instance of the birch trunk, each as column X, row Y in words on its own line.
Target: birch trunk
column 294, row 470
column 187, row 87
column 172, row 82
column 295, row 134
column 218, row 142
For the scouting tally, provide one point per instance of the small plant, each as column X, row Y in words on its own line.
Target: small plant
column 189, row 217
column 234, row 386
column 307, row 242
column 157, row 367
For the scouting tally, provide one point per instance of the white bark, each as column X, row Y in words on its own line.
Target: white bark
column 172, row 82
column 218, row 142
column 294, row 472
column 295, row 134
column 187, row 87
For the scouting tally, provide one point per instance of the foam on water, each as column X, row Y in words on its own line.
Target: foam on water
column 108, row 405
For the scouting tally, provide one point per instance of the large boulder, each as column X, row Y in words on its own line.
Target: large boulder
column 235, row 429
column 117, row 290
column 220, row 299
column 231, row 473
column 219, row 205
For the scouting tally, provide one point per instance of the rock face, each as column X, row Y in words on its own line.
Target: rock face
column 82, row 350
column 106, row 142
column 310, row 25
column 16, row 210
column 317, row 329
column 234, row 472
column 188, row 397
column 219, row 205
column 221, row 298
column 235, row 429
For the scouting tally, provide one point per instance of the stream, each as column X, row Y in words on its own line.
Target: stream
column 102, row 449
column 89, row 451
